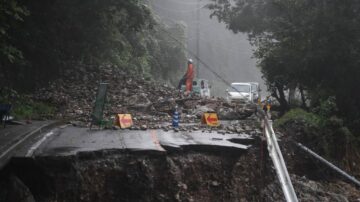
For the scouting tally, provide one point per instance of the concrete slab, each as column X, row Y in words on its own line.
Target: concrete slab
column 180, row 139
column 71, row 140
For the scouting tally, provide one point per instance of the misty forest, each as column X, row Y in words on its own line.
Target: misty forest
column 305, row 55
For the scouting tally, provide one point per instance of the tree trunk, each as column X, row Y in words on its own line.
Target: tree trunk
column 284, row 106
column 303, row 99
column 292, row 90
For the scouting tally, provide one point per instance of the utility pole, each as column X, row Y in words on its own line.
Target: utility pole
column 198, row 39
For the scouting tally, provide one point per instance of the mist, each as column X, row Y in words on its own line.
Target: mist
column 229, row 54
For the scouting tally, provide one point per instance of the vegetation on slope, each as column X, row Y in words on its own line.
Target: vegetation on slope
column 313, row 47
column 40, row 40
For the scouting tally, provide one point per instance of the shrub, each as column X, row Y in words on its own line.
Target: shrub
column 326, row 108
column 33, row 110
column 300, row 116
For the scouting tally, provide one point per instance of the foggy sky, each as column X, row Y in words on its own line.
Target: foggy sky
column 229, row 54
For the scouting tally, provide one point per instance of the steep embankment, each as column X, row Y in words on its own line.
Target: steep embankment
column 177, row 176
column 136, row 177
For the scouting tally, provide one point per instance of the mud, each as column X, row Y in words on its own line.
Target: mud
column 178, row 175
column 108, row 176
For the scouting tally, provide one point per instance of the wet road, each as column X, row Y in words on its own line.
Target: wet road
column 70, row 140
column 16, row 138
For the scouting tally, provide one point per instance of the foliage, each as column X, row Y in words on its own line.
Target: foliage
column 66, row 34
column 326, row 108
column 24, row 107
column 32, row 110
column 167, row 56
column 53, row 36
column 10, row 14
column 327, row 136
column 301, row 116
column 41, row 40
column 313, row 45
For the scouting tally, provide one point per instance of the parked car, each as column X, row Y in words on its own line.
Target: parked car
column 243, row 92
column 201, row 87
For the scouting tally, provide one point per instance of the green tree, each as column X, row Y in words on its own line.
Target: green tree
column 313, row 45
column 11, row 13
column 58, row 36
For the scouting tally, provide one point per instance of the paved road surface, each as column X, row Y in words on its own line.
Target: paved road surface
column 38, row 139
column 14, row 138
column 70, row 140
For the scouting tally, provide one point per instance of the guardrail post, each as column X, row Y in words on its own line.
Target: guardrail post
column 277, row 159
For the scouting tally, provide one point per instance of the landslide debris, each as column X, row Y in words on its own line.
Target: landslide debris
column 180, row 176
column 151, row 103
column 187, row 176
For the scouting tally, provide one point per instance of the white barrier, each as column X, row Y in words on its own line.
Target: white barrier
column 277, row 159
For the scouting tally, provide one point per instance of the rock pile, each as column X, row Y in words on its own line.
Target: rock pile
column 150, row 103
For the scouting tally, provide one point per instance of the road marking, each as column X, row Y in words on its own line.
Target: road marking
column 22, row 140
column 37, row 144
column 5, row 145
column 156, row 140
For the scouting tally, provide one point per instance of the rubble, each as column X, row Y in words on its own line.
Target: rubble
column 151, row 105
column 143, row 127
column 149, row 102
column 186, row 176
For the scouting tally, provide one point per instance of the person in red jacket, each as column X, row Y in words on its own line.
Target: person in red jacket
column 189, row 77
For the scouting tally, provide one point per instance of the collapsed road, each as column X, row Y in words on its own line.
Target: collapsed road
column 143, row 158
column 77, row 164
column 71, row 140
column 151, row 161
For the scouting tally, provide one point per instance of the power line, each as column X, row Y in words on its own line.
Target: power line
column 205, row 26
column 178, row 11
column 220, row 46
column 197, row 57
column 201, row 61
column 198, row 38
column 183, row 3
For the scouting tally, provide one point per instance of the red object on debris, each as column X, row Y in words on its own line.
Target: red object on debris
column 189, row 77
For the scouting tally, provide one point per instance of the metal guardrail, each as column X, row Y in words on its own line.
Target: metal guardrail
column 330, row 165
column 277, row 158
